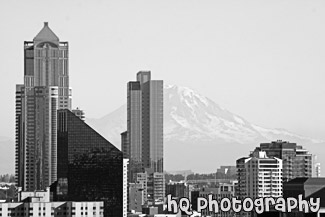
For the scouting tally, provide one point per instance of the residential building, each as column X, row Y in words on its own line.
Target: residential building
column 258, row 176
column 297, row 161
column 38, row 203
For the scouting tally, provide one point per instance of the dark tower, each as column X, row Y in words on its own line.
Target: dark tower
column 90, row 168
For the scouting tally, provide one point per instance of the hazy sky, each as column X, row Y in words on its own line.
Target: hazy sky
column 263, row 60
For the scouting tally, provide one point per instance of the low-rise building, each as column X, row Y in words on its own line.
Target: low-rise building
column 136, row 197
column 37, row 203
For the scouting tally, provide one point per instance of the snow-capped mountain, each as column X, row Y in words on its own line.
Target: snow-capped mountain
column 198, row 133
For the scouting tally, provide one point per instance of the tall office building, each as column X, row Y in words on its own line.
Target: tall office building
column 45, row 90
column 145, row 123
column 90, row 167
column 297, row 161
column 143, row 141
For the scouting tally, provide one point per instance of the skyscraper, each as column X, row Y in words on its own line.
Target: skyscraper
column 145, row 123
column 90, row 167
column 143, row 141
column 45, row 90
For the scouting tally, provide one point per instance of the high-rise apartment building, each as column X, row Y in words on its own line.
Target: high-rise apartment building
column 297, row 161
column 45, row 90
column 142, row 143
column 258, row 176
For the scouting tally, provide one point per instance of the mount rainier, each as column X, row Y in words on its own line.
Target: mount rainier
column 199, row 134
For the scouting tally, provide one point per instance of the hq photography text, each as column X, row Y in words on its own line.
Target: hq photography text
column 258, row 205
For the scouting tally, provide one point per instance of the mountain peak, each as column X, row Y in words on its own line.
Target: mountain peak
column 197, row 124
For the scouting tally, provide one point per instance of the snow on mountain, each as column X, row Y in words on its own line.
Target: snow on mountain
column 195, row 123
column 198, row 134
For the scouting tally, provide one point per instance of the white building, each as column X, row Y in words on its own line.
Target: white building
column 259, row 176
column 153, row 185
column 315, row 167
column 37, row 203
column 125, row 187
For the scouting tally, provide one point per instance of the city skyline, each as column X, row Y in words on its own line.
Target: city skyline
column 273, row 56
column 254, row 130
column 260, row 95
column 55, row 149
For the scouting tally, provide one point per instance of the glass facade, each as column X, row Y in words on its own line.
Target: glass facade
column 89, row 167
column 145, row 123
column 134, row 127
column 144, row 142
column 45, row 90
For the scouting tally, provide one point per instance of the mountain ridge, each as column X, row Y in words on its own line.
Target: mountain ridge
column 199, row 134
column 197, row 124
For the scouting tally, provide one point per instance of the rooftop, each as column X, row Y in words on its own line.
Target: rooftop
column 46, row 34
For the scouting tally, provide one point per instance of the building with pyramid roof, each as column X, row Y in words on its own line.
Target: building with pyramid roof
column 46, row 34
column 44, row 91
